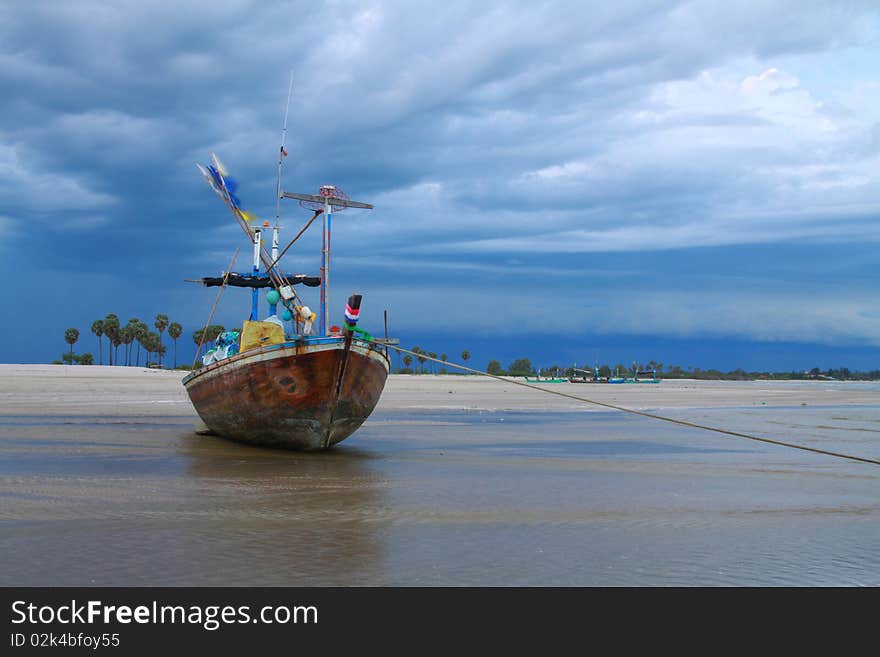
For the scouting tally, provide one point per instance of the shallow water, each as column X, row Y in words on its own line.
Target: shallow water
column 447, row 498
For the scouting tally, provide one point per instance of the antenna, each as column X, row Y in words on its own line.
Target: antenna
column 281, row 155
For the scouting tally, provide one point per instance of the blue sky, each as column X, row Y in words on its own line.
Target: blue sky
column 683, row 181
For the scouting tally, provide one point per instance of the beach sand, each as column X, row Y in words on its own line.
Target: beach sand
column 126, row 391
column 453, row 480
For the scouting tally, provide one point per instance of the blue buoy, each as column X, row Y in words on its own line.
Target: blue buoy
column 272, row 297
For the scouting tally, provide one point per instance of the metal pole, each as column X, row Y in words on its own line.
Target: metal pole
column 273, row 307
column 386, row 338
column 255, row 298
column 327, row 291
column 323, row 303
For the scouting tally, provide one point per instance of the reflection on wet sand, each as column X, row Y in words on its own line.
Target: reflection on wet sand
column 298, row 519
column 158, row 505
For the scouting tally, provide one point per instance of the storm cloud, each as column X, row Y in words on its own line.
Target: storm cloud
column 689, row 169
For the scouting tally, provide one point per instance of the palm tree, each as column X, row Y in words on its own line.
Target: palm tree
column 148, row 347
column 407, row 360
column 117, row 340
column 87, row 359
column 153, row 345
column 431, row 354
column 111, row 330
column 127, row 335
column 161, row 324
column 71, row 335
column 142, row 331
column 174, row 332
column 134, row 328
column 420, row 358
column 465, row 355
column 98, row 329
column 443, row 357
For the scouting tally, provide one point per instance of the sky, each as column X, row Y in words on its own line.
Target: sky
column 696, row 183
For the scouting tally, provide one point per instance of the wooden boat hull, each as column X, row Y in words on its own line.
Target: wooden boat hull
column 296, row 395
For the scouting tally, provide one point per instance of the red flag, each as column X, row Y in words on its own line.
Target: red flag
column 283, row 152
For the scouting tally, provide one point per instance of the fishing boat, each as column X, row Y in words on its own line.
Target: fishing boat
column 547, row 379
column 616, row 378
column 586, row 376
column 643, row 376
column 281, row 381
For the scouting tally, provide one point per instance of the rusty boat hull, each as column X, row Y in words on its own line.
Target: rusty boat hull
column 300, row 395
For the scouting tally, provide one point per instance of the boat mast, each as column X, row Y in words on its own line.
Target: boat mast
column 327, row 193
column 328, row 198
column 255, row 298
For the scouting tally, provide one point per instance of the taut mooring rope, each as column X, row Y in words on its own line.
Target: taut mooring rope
column 654, row 416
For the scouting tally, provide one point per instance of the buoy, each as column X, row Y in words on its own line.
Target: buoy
column 272, row 297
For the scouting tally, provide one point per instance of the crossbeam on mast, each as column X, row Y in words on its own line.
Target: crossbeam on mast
column 335, row 202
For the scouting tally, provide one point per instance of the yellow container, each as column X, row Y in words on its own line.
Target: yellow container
column 260, row 334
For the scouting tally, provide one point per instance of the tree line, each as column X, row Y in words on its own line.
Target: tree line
column 524, row 367
column 133, row 337
column 421, row 358
column 137, row 334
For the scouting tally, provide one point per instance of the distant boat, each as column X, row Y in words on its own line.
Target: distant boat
column 592, row 376
column 642, row 376
column 280, row 386
column 616, row 378
column 539, row 379
column 583, row 378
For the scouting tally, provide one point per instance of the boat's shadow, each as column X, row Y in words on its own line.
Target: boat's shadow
column 212, row 456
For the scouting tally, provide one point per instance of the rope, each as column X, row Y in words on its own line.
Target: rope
column 654, row 416
column 213, row 308
column 298, row 235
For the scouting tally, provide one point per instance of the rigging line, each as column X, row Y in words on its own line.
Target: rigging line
column 298, row 235
column 278, row 278
column 214, row 307
column 654, row 416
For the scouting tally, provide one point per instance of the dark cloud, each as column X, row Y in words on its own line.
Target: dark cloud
column 483, row 134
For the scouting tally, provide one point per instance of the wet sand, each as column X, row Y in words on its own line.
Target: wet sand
column 452, row 481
